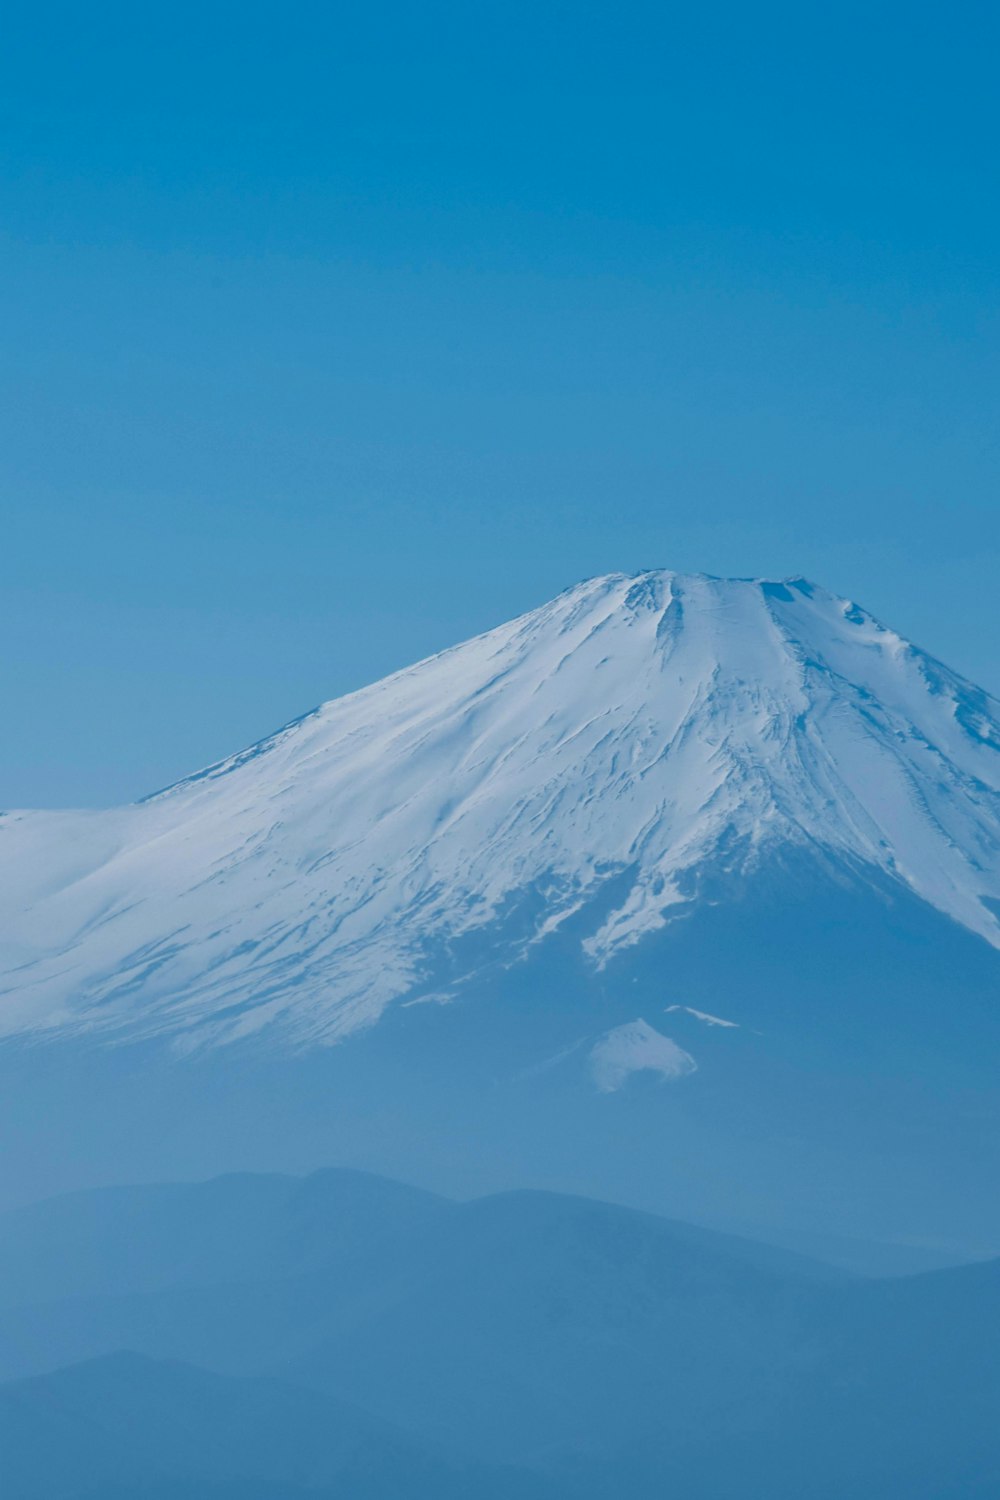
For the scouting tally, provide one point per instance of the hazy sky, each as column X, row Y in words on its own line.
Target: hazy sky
column 335, row 333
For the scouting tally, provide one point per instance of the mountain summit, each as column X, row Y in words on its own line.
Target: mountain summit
column 594, row 763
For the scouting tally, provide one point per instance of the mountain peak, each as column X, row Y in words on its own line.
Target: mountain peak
column 640, row 728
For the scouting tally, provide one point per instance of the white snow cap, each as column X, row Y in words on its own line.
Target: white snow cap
column 638, row 727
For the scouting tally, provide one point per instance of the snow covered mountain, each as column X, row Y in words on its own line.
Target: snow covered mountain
column 593, row 762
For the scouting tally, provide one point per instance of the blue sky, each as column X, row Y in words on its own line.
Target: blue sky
column 333, row 334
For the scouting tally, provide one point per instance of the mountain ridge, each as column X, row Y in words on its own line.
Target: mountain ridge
column 518, row 1344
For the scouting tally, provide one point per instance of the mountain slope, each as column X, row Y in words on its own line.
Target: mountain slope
column 594, row 762
column 243, row 1227
column 124, row 1426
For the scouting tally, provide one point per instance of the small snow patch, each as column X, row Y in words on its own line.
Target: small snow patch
column 636, row 1047
column 703, row 1015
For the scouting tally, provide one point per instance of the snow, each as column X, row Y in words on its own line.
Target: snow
column 639, row 728
column 703, row 1015
column 637, row 1047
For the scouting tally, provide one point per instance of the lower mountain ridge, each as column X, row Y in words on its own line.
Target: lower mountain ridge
column 343, row 1334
